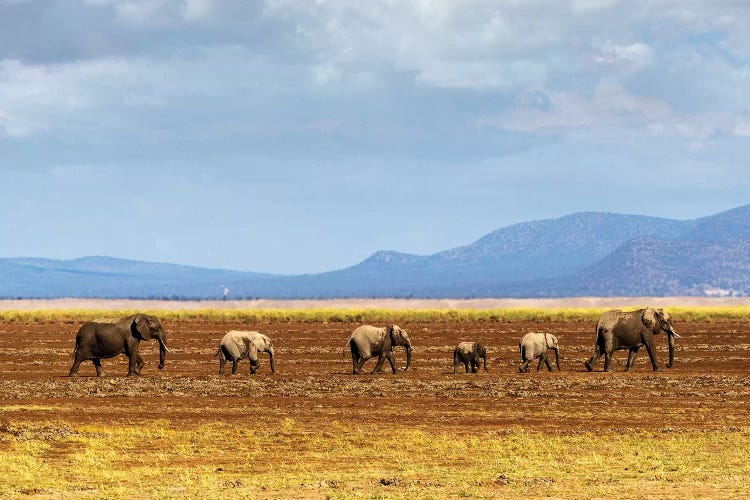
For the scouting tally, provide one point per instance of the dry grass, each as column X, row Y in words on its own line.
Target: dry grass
column 361, row 315
column 356, row 460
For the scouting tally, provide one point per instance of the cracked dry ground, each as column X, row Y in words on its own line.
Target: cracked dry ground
column 708, row 388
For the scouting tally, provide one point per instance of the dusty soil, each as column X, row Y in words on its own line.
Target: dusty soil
column 709, row 386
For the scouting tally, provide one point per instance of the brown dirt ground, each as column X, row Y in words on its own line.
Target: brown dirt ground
column 708, row 388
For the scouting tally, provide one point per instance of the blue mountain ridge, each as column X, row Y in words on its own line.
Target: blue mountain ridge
column 587, row 253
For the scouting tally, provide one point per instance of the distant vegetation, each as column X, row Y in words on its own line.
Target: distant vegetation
column 734, row 313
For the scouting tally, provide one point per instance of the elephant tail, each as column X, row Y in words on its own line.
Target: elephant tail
column 218, row 351
column 347, row 347
column 520, row 350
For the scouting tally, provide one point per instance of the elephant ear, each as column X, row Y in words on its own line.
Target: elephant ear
column 649, row 317
column 140, row 327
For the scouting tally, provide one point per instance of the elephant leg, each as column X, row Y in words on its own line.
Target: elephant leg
column 541, row 360
column 133, row 364
column 254, row 364
column 389, row 356
column 138, row 363
column 360, row 364
column 235, row 362
column 546, row 362
column 607, row 360
column 222, row 362
column 98, row 365
column 524, row 366
column 74, row 369
column 355, row 369
column 651, row 350
column 379, row 365
column 594, row 358
column 631, row 357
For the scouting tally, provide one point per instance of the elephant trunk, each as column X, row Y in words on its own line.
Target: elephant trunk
column 670, row 337
column 162, row 352
column 408, row 357
column 270, row 357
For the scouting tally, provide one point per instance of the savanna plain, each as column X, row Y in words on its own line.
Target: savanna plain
column 314, row 430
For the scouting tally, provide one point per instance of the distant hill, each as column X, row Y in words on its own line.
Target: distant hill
column 586, row 253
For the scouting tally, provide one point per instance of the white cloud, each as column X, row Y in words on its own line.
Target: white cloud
column 609, row 105
column 636, row 56
column 584, row 6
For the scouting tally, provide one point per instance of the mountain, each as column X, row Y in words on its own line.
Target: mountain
column 113, row 278
column 586, row 253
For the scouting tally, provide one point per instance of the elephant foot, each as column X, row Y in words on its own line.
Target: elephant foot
column 131, row 374
column 588, row 366
column 656, row 368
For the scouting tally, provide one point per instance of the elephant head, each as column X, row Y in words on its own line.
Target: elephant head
column 400, row 337
column 658, row 320
column 145, row 327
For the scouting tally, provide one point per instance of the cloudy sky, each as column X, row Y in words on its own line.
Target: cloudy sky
column 301, row 136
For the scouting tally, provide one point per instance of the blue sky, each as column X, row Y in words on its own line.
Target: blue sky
column 299, row 136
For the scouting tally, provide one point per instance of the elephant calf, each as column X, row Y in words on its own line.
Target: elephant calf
column 469, row 353
column 536, row 345
column 238, row 344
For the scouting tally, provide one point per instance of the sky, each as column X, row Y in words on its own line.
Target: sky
column 302, row 136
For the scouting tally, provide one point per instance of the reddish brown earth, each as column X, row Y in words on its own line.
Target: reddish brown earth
column 709, row 386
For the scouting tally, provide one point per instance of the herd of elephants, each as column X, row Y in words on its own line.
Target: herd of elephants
column 615, row 330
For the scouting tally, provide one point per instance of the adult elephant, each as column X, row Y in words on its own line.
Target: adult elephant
column 238, row 344
column 632, row 330
column 471, row 354
column 368, row 341
column 107, row 339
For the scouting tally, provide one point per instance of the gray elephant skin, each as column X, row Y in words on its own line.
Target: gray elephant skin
column 632, row 330
column 239, row 344
column 100, row 340
column 536, row 345
column 470, row 354
column 368, row 341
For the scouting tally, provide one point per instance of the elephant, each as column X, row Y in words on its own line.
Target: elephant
column 536, row 345
column 238, row 344
column 107, row 339
column 631, row 330
column 368, row 341
column 469, row 353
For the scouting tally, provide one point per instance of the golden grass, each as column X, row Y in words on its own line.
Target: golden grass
column 362, row 315
column 164, row 460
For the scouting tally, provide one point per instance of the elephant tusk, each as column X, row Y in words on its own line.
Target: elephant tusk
column 676, row 336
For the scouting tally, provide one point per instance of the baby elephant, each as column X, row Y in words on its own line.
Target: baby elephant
column 469, row 353
column 238, row 344
column 536, row 345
